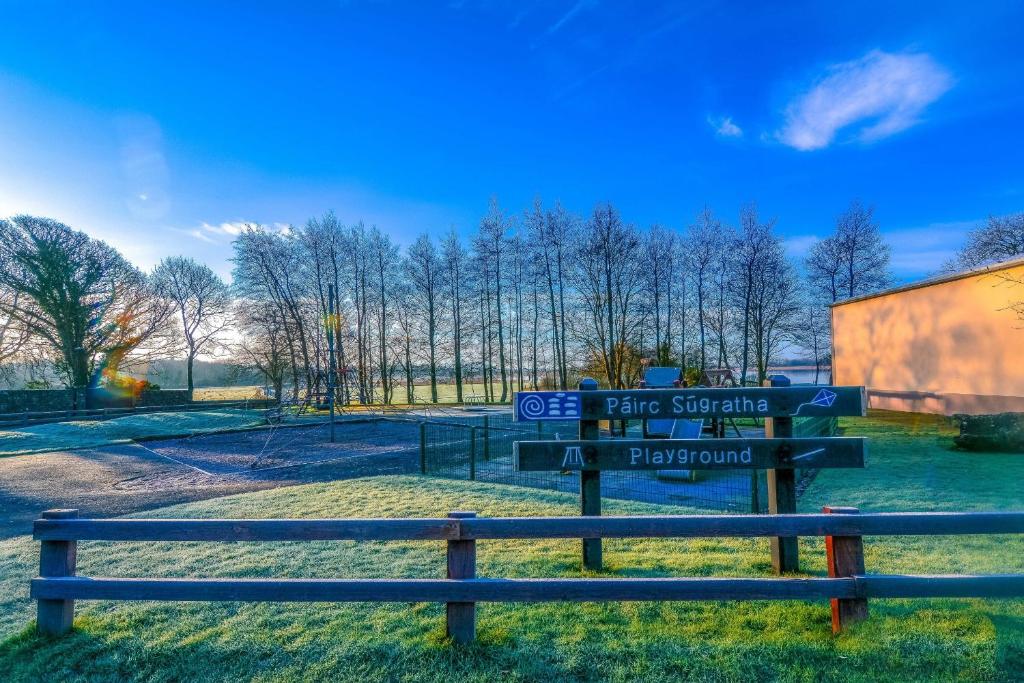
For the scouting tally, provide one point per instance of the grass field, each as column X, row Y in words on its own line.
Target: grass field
column 910, row 468
column 445, row 392
column 227, row 393
column 85, row 433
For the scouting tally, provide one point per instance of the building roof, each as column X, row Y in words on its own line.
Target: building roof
column 936, row 280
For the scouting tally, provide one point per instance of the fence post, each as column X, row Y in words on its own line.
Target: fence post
column 472, row 453
column 781, row 489
column 590, row 488
column 423, row 447
column 755, row 494
column 460, row 624
column 845, row 557
column 56, row 558
column 487, row 438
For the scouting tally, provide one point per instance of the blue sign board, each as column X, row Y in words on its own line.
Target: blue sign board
column 531, row 406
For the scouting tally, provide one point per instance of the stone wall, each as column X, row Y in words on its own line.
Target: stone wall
column 35, row 400
column 45, row 400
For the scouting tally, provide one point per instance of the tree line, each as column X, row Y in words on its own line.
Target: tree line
column 532, row 299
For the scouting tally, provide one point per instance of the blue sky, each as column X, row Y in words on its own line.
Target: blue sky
column 161, row 128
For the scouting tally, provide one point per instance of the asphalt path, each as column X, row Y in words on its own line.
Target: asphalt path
column 111, row 481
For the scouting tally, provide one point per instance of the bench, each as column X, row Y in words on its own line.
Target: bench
column 848, row 586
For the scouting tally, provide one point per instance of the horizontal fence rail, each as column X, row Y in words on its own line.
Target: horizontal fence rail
column 442, row 529
column 848, row 586
column 527, row 590
column 442, row 590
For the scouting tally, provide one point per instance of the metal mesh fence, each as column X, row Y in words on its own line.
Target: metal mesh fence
column 480, row 448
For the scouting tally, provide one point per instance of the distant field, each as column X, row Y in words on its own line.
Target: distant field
column 227, row 393
column 445, row 392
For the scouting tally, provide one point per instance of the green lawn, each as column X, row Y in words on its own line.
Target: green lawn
column 86, row 433
column 910, row 468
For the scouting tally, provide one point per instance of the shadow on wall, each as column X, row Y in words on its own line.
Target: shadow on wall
column 945, row 348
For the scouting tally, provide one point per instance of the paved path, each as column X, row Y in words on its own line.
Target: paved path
column 116, row 480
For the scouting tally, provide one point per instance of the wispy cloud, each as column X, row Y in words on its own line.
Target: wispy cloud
column 212, row 233
column 229, row 229
column 568, row 16
column 881, row 93
column 724, row 127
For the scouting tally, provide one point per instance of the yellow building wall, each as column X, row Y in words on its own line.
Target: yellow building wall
column 944, row 348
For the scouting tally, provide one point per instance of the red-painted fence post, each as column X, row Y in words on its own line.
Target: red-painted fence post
column 845, row 557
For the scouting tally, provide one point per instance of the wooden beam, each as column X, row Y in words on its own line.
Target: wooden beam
column 245, row 529
column 691, row 454
column 844, row 556
column 57, row 559
column 460, row 617
column 441, row 590
column 941, row 586
column 648, row 526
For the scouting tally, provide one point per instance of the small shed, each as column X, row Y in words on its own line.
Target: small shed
column 948, row 344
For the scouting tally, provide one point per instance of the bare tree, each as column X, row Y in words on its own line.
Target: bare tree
column 701, row 239
column 384, row 261
column 1000, row 239
column 660, row 255
column 775, row 305
column 455, row 271
column 812, row 331
column 751, row 248
column 552, row 235
column 425, row 269
column 201, row 302
column 853, row 261
column 78, row 295
column 721, row 314
column 326, row 242
column 490, row 246
column 268, row 267
column 13, row 335
column 610, row 263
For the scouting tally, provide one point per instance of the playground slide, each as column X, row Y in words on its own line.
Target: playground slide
column 679, row 429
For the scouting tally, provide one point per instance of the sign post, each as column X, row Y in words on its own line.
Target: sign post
column 781, row 489
column 590, row 487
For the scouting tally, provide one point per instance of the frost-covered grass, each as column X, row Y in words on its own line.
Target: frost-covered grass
column 227, row 393
column 911, row 468
column 84, row 433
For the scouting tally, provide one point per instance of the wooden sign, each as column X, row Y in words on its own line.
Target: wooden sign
column 809, row 401
column 630, row 404
column 689, row 454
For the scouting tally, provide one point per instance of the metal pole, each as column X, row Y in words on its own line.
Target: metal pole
column 330, row 354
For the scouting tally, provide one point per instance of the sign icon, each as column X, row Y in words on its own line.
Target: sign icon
column 547, row 405
column 823, row 399
column 573, row 456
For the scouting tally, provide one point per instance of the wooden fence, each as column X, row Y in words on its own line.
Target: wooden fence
column 848, row 586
